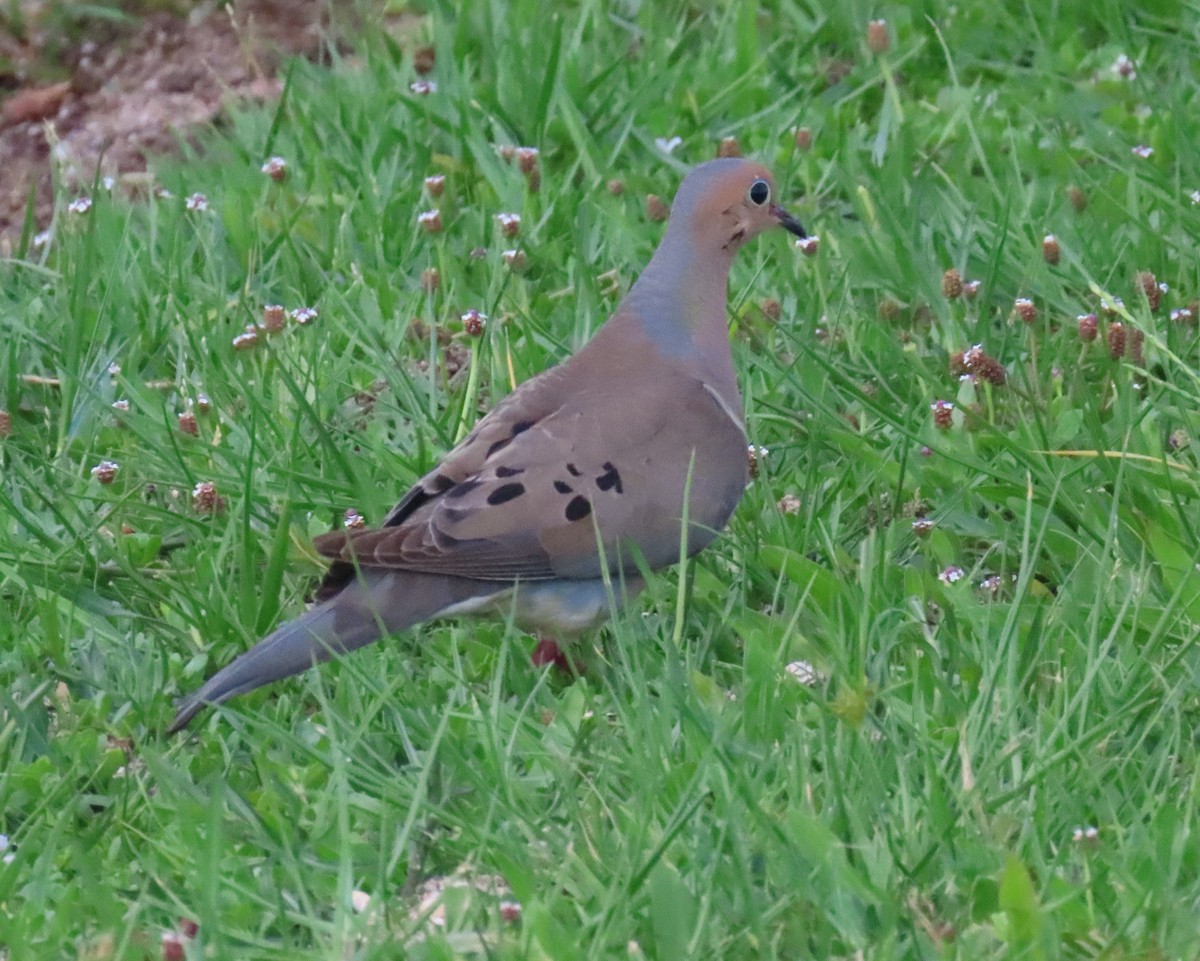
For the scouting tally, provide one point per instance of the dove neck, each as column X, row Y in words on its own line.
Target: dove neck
column 680, row 299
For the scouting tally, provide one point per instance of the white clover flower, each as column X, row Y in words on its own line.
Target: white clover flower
column 951, row 575
column 275, row 168
column 1124, row 68
column 803, row 672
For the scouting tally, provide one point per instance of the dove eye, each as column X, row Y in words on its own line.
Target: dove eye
column 759, row 192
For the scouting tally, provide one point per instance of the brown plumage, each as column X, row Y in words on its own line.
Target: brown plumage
column 548, row 507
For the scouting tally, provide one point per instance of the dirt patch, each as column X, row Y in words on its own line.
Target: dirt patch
column 139, row 95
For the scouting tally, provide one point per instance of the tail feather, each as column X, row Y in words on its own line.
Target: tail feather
column 377, row 604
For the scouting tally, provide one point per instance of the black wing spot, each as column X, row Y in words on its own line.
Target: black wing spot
column 578, row 508
column 518, row 428
column 574, row 471
column 610, row 479
column 562, row 487
column 505, row 492
column 463, row 489
column 440, row 483
column 509, row 471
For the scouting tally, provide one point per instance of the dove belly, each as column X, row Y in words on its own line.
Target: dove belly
column 563, row 607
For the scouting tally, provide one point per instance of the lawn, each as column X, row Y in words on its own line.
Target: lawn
column 934, row 694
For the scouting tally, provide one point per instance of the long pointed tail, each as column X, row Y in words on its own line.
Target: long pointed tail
column 377, row 604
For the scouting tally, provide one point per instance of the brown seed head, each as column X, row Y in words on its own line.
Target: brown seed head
column 527, row 159
column 1051, row 251
column 1025, row 309
column 247, row 340
column 106, row 471
column 206, row 500
column 943, row 414
column 5, row 424
column 729, row 147
column 431, row 279
column 1116, row 340
column 1088, row 327
column 923, row 526
column 274, row 318
column 430, row 221
column 435, row 185
column 971, row 289
column 772, row 309
column 986, row 367
column 473, row 322
column 952, row 284
column 958, row 364
column 616, row 187
column 424, row 60
column 172, row 946
column 888, row 309
column 276, row 168
column 809, row 245
column 1147, row 283
column 656, row 209
column 1077, row 198
column 878, row 39
column 804, row 138
column 510, row 224
column 514, row 260
column 352, row 519
column 187, row 423
column 1137, row 343
column 754, row 458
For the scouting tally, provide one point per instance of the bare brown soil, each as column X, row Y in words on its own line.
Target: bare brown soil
column 137, row 95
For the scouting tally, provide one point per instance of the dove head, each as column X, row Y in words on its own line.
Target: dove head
column 679, row 300
column 724, row 203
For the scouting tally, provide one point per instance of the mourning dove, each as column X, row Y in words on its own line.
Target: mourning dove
column 579, row 479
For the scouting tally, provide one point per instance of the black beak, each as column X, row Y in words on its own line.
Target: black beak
column 787, row 221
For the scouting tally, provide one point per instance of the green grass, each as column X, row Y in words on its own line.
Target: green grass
column 682, row 801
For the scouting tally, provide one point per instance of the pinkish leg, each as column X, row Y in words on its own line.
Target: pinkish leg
column 548, row 651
